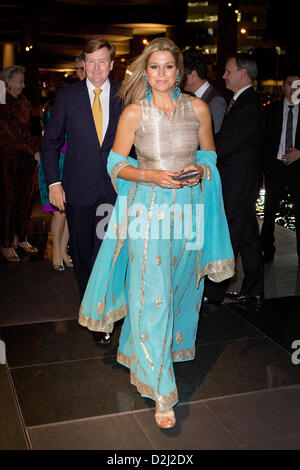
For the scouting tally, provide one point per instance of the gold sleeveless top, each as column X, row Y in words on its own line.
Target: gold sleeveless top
column 167, row 143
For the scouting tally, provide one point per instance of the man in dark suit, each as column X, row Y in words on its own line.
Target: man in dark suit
column 88, row 112
column 239, row 145
column 281, row 162
column 196, row 82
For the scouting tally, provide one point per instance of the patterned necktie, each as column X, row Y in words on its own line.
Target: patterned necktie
column 97, row 113
column 230, row 106
column 289, row 130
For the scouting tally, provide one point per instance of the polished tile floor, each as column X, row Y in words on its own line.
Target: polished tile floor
column 61, row 391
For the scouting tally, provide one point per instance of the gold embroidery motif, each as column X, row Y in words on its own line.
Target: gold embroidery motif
column 181, row 216
column 131, row 256
column 133, row 357
column 178, row 312
column 158, row 302
column 170, row 372
column 197, row 307
column 158, row 260
column 174, row 260
column 179, row 337
column 145, row 336
column 160, row 215
column 100, row 308
column 138, row 212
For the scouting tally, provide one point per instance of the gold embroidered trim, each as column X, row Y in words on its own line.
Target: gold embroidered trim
column 125, row 360
column 105, row 323
column 189, row 230
column 158, row 260
column 158, row 302
column 170, row 293
column 162, row 401
column 186, row 288
column 218, row 271
column 115, row 170
column 143, row 276
column 183, row 355
column 167, row 401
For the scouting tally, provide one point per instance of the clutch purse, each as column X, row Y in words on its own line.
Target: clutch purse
column 187, row 175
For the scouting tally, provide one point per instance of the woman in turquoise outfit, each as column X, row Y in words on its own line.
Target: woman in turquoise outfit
column 164, row 235
column 59, row 227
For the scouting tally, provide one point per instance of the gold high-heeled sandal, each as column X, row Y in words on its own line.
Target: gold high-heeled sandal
column 165, row 419
column 68, row 262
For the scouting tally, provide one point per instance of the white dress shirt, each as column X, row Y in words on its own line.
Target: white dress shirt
column 104, row 100
column 200, row 92
column 286, row 104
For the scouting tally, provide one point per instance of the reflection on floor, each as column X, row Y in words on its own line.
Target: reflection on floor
column 60, row 391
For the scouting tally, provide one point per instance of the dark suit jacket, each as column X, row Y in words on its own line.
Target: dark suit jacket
column 274, row 120
column 85, row 179
column 239, row 147
column 217, row 106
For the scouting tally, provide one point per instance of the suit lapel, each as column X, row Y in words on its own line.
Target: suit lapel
column 206, row 94
column 85, row 110
column 112, row 111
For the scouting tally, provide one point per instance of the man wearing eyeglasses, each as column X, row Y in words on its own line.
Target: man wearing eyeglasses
column 79, row 67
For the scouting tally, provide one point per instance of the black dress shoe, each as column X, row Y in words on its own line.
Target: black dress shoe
column 101, row 338
column 239, row 297
column 207, row 301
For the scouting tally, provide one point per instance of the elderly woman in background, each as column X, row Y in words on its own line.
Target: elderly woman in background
column 18, row 152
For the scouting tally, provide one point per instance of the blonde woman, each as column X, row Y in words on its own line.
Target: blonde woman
column 152, row 262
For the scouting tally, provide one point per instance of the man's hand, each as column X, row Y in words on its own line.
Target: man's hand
column 57, row 196
column 291, row 157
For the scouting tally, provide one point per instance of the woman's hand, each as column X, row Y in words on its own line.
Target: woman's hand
column 193, row 181
column 163, row 178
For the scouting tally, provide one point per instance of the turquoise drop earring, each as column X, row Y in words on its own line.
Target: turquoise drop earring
column 176, row 90
column 148, row 92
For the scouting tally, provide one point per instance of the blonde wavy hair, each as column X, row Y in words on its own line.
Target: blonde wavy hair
column 133, row 85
